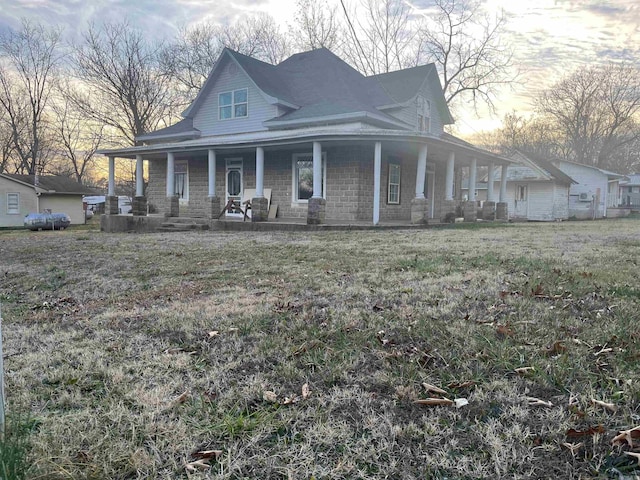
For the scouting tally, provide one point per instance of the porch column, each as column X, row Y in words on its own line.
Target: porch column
column 473, row 171
column 448, row 193
column 470, row 210
column 502, row 212
column 140, row 201
column 420, row 205
column 316, row 204
column 173, row 202
column 377, row 166
column 490, row 182
column 489, row 207
column 259, row 204
column 111, row 204
column 503, row 184
column 214, row 201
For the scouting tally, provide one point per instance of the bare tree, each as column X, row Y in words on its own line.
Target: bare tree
column 318, row 26
column 77, row 138
column 28, row 59
column 189, row 60
column 124, row 86
column 597, row 111
column 466, row 45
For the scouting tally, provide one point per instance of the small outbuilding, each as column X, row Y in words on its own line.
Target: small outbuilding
column 21, row 195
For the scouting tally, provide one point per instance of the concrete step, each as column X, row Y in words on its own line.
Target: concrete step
column 182, row 227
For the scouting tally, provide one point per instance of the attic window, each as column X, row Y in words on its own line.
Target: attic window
column 233, row 104
column 424, row 115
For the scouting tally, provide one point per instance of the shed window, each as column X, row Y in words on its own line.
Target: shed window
column 233, row 104
column 303, row 176
column 393, row 191
column 13, row 203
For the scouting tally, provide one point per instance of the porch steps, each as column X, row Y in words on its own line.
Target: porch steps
column 183, row 224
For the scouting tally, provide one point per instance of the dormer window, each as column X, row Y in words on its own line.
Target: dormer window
column 424, row 114
column 233, row 104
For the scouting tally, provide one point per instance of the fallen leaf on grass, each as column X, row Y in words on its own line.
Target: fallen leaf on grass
column 459, row 385
column 573, row 447
column 461, row 402
column 290, row 399
column 269, row 396
column 556, row 348
column 434, row 402
column 181, row 399
column 305, row 391
column 197, row 465
column 173, row 351
column 608, row 406
column 573, row 433
column 626, row 436
column 504, row 330
column 432, row 388
column 536, row 402
column 207, row 454
column 634, row 455
column 213, row 333
column 524, row 370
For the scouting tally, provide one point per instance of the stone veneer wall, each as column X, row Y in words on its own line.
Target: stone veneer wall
column 349, row 184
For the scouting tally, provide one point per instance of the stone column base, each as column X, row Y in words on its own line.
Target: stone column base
column 419, row 211
column 214, row 207
column 448, row 213
column 502, row 211
column 259, row 209
column 316, row 211
column 489, row 211
column 173, row 207
column 470, row 211
column 111, row 206
column 139, row 206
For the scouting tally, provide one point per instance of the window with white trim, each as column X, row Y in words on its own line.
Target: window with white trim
column 303, row 176
column 424, row 114
column 393, row 190
column 13, row 203
column 234, row 104
column 181, row 179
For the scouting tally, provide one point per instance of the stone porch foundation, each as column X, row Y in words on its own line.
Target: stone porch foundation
column 502, row 211
column 173, row 207
column 419, row 211
column 470, row 210
column 316, row 211
column 111, row 206
column 448, row 207
column 214, row 207
column 260, row 209
column 139, row 206
column 489, row 211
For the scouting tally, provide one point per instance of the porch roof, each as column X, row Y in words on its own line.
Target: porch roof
column 445, row 142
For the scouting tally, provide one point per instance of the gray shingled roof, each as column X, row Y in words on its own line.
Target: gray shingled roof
column 183, row 126
column 54, row 184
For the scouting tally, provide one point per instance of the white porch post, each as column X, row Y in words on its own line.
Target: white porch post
column 112, row 177
column 449, row 177
column 503, row 184
column 317, row 170
column 139, row 176
column 473, row 170
column 171, row 189
column 490, row 181
column 377, row 165
column 260, row 172
column 421, row 171
column 212, row 173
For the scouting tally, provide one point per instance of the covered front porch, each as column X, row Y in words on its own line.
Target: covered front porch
column 376, row 179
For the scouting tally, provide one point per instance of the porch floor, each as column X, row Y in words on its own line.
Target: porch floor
column 300, row 224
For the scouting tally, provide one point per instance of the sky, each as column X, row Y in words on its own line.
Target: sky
column 550, row 38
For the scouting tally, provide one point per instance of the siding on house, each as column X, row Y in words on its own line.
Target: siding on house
column 546, row 201
column 232, row 77
column 28, row 203
column 69, row 204
column 591, row 182
column 409, row 113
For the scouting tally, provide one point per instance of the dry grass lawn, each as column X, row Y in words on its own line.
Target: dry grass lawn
column 302, row 355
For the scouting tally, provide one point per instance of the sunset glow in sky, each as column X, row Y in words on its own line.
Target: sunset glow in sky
column 550, row 37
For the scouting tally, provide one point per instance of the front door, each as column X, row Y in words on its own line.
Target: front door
column 234, row 185
column 521, row 210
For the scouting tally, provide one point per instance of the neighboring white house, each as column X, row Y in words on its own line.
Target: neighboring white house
column 629, row 191
column 21, row 195
column 596, row 190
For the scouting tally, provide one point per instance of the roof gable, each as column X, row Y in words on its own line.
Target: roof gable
column 50, row 184
column 543, row 167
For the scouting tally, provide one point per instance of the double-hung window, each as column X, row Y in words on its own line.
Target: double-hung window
column 181, row 180
column 424, row 114
column 234, row 104
column 13, row 203
column 303, row 176
column 393, row 191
